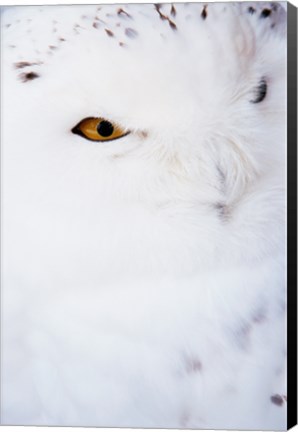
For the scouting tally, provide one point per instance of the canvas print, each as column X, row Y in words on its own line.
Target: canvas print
column 143, row 215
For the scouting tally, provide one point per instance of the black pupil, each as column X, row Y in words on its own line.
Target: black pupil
column 105, row 128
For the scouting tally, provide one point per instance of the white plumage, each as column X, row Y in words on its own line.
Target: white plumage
column 143, row 278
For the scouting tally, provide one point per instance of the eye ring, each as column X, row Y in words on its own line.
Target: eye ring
column 98, row 129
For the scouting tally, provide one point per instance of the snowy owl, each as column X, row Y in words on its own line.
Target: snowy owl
column 143, row 159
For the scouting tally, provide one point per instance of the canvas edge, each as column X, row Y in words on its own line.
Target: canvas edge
column 292, row 214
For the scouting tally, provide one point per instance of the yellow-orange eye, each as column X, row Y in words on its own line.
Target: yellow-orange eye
column 98, row 129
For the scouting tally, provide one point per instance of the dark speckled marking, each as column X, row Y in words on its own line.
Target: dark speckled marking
column 173, row 11
column 131, row 33
column 251, row 10
column 261, row 91
column 277, row 400
column 96, row 25
column 161, row 15
column 265, row 13
column 204, row 13
column 52, row 47
column 164, row 17
column 172, row 24
column 122, row 13
column 29, row 76
column 109, row 33
column 23, row 64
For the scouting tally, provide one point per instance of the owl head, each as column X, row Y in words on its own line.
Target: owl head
column 153, row 122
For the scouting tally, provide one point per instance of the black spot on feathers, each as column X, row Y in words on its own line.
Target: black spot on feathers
column 173, row 11
column 261, row 91
column 165, row 17
column 29, row 76
column 277, row 400
column 204, row 13
column 109, row 33
column 122, row 12
column 265, row 13
column 251, row 10
column 23, row 64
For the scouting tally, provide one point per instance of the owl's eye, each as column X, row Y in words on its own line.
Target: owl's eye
column 98, row 129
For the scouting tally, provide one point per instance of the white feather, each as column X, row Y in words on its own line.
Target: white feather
column 144, row 278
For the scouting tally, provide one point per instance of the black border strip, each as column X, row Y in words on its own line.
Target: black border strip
column 292, row 216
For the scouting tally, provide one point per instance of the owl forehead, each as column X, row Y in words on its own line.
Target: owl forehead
column 125, row 47
column 36, row 33
column 119, row 43
column 42, row 30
